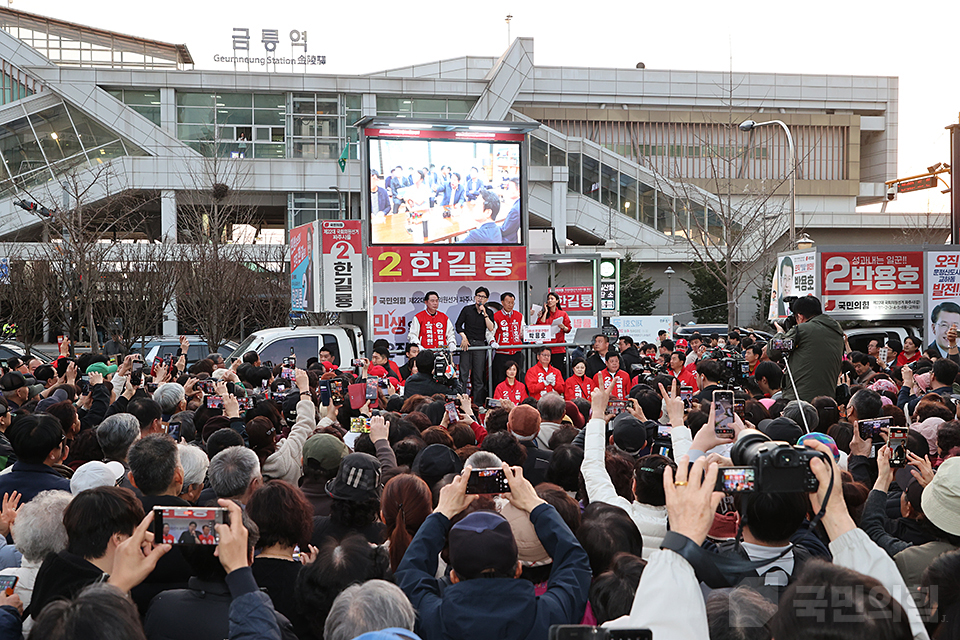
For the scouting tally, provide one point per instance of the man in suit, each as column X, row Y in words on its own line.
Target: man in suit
column 454, row 195
column 944, row 316
column 379, row 198
column 474, row 183
column 510, row 229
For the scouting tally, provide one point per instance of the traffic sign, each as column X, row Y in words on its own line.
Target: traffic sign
column 917, row 184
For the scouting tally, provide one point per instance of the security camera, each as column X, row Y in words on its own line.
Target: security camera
column 892, row 192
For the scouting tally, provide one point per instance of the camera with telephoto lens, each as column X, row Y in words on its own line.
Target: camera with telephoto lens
column 648, row 369
column 778, row 467
column 734, row 370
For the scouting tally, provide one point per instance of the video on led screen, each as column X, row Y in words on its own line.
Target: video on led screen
column 425, row 191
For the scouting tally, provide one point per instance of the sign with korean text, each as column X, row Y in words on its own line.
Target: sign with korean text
column 917, row 184
column 304, row 274
column 394, row 306
column 574, row 299
column 943, row 282
column 795, row 276
column 262, row 47
column 872, row 284
column 643, row 328
column 444, row 263
column 342, row 266
column 537, row 333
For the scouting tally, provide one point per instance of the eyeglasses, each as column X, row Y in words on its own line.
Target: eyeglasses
column 480, row 295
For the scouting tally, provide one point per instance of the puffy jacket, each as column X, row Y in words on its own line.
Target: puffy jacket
column 500, row 608
column 815, row 361
column 284, row 463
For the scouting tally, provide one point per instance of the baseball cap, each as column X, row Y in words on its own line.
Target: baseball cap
column 377, row 370
column 91, row 475
column 328, row 366
column 12, row 380
column 57, row 396
column 629, row 434
column 792, row 411
column 480, row 542
column 102, row 368
column 781, row 429
column 325, row 451
column 358, row 479
column 941, row 498
column 436, row 461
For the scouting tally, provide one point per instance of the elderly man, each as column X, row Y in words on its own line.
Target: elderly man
column 235, row 474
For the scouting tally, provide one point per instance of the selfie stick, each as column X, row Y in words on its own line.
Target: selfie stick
column 803, row 414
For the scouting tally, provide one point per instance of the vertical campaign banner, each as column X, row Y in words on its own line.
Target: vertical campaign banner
column 943, row 295
column 342, row 260
column 303, row 268
column 795, row 276
column 872, row 285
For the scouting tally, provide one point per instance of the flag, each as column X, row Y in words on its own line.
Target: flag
column 343, row 159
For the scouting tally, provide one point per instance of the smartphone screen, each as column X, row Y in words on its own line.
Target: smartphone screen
column 616, row 407
column 870, row 429
column 324, row 390
column 491, row 480
column 494, row 403
column 209, row 387
column 173, row 430
column 245, row 402
column 736, row 479
column 452, row 412
column 7, row 584
column 359, row 424
column 723, row 412
column 214, row 402
column 187, row 525
column 898, row 446
column 336, row 390
column 372, row 384
column 686, row 394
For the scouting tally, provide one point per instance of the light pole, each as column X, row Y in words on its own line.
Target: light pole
column 749, row 125
column 669, row 273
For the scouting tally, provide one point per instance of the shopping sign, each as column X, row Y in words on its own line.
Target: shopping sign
column 342, row 266
column 303, row 268
column 872, row 284
column 446, row 263
column 575, row 299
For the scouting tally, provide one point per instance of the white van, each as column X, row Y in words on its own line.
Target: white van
column 345, row 341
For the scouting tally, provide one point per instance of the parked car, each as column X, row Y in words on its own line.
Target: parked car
column 860, row 337
column 163, row 346
column 345, row 341
column 12, row 348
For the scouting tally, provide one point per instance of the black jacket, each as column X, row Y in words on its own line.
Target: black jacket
column 62, row 575
column 200, row 612
column 7, row 455
column 423, row 384
column 279, row 579
column 172, row 570
column 629, row 357
column 535, row 466
column 30, row 479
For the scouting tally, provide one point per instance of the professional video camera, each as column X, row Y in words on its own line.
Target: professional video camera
column 734, row 370
column 766, row 466
column 443, row 370
column 648, row 369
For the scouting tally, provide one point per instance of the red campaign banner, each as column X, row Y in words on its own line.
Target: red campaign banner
column 342, row 261
column 447, row 263
column 575, row 298
column 872, row 284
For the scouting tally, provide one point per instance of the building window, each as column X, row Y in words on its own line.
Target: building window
column 146, row 102
column 238, row 125
column 307, row 207
column 321, row 124
column 429, row 108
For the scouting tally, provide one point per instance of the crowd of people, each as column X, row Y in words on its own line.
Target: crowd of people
column 349, row 516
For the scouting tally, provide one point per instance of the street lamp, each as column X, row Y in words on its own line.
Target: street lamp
column 749, row 125
column 669, row 273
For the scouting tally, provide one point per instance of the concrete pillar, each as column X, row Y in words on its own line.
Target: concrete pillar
column 168, row 215
column 168, row 110
column 368, row 104
column 558, row 205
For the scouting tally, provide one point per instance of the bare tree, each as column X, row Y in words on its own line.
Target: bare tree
column 25, row 299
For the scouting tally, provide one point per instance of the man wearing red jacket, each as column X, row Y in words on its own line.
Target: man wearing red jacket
column 686, row 376
column 613, row 378
column 509, row 332
column 431, row 328
column 542, row 378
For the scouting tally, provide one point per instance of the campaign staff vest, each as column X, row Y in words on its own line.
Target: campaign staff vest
column 508, row 330
column 433, row 329
column 620, row 382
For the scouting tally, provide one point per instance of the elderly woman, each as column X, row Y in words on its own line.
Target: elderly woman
column 194, row 462
column 37, row 532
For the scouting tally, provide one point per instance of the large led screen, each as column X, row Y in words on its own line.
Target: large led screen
column 464, row 187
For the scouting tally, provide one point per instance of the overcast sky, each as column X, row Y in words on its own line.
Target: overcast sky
column 912, row 42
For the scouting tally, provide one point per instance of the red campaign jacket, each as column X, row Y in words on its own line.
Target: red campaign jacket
column 577, row 387
column 620, row 382
column 561, row 335
column 536, row 386
column 433, row 329
column 687, row 377
column 515, row 394
column 508, row 330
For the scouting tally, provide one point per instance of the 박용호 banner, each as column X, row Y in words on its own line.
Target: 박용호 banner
column 796, row 275
column 394, row 307
column 872, row 284
column 342, row 266
column 303, row 268
column 445, row 263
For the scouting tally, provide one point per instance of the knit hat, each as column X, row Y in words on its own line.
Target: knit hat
column 825, row 439
column 213, row 425
column 324, row 451
column 480, row 542
column 91, row 475
column 941, row 498
column 524, row 422
column 358, row 479
column 792, row 411
column 436, row 461
column 57, row 396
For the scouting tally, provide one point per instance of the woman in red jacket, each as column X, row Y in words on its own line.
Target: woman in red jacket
column 579, row 385
column 910, row 353
column 551, row 312
column 511, row 389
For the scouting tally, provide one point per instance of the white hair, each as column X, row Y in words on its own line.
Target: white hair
column 194, row 462
column 372, row 606
column 38, row 530
column 169, row 395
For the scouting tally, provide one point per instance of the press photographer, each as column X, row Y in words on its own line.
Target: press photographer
column 813, row 363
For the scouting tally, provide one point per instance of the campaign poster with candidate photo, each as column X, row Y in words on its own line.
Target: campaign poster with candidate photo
column 943, row 297
column 444, row 187
column 795, row 276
